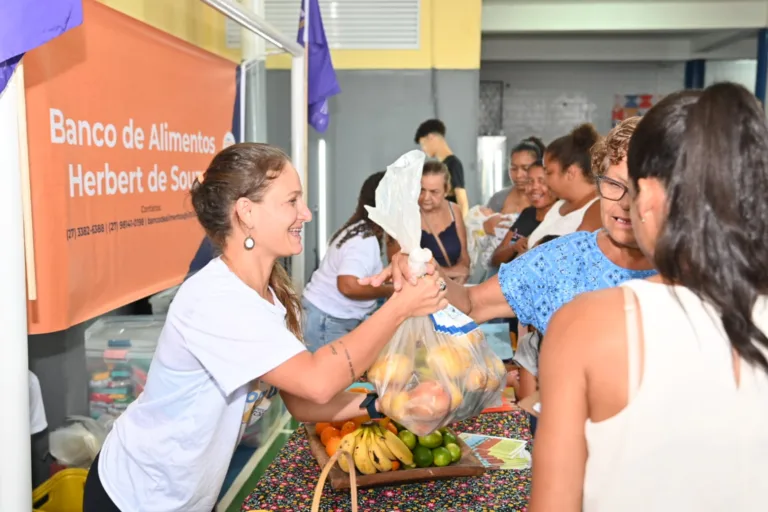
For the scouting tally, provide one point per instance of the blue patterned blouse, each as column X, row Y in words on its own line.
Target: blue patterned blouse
column 540, row 281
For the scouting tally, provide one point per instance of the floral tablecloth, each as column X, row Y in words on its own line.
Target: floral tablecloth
column 289, row 482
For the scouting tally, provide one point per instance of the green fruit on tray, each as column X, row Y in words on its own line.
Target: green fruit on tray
column 422, row 456
column 449, row 438
column 441, row 457
column 408, row 438
column 432, row 440
column 455, row 451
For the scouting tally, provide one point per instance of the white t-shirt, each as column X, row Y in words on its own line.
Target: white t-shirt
column 358, row 257
column 556, row 224
column 170, row 450
column 37, row 420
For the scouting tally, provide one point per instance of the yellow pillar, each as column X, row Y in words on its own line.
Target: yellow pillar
column 190, row 20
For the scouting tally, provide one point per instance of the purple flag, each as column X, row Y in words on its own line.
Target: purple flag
column 321, row 82
column 27, row 24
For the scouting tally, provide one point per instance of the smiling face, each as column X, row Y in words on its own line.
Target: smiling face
column 537, row 191
column 519, row 165
column 615, row 204
column 278, row 219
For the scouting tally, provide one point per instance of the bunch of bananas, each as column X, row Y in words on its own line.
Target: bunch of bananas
column 374, row 449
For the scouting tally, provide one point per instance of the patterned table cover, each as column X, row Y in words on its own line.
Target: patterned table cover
column 288, row 483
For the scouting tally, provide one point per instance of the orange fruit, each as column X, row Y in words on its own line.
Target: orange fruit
column 333, row 445
column 338, row 424
column 319, row 427
column 392, row 428
column 328, row 433
column 348, row 428
column 395, row 465
column 361, row 419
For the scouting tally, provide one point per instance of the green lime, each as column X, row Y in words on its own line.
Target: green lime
column 432, row 440
column 441, row 456
column 410, row 466
column 444, row 430
column 422, row 457
column 449, row 438
column 408, row 438
column 455, row 451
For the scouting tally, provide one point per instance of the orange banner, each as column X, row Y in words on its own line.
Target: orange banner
column 121, row 118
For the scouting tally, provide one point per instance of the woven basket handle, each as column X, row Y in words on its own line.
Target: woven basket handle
column 324, row 476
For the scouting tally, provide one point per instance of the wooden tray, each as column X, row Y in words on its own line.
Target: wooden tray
column 469, row 465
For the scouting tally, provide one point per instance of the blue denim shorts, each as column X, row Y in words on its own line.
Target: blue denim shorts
column 320, row 328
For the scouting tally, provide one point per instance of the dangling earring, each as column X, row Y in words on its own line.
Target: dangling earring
column 249, row 243
column 642, row 219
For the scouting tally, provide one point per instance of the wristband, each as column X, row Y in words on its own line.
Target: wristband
column 369, row 403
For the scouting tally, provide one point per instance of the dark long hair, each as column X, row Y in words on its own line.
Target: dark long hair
column 532, row 145
column 574, row 149
column 366, row 228
column 710, row 150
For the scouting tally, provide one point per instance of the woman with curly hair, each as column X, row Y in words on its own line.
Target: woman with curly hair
column 333, row 302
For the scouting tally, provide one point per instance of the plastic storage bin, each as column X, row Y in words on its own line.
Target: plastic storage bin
column 63, row 492
column 118, row 351
column 258, row 430
column 161, row 301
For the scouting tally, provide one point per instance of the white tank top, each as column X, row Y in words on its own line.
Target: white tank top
column 556, row 224
column 689, row 440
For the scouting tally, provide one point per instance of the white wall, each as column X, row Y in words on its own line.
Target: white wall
column 742, row 72
column 548, row 98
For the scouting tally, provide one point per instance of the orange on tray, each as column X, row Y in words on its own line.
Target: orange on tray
column 333, row 446
column 361, row 419
column 328, row 433
column 319, row 427
column 348, row 428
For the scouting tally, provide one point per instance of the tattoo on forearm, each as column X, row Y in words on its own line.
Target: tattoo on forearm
column 349, row 361
column 333, row 349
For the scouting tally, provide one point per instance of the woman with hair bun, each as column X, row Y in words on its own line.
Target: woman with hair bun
column 654, row 393
column 568, row 168
column 232, row 338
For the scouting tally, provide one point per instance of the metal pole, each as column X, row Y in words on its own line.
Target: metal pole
column 762, row 64
column 15, row 471
column 256, row 24
column 299, row 149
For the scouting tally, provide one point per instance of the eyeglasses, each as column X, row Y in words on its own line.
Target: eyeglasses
column 611, row 189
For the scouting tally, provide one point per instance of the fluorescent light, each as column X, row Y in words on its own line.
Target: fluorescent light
column 322, row 201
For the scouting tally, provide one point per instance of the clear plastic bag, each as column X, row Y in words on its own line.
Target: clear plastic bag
column 78, row 443
column 437, row 369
